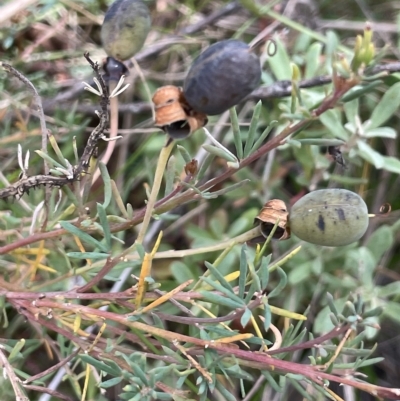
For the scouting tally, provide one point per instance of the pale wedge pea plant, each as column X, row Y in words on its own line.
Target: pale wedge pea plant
column 133, row 266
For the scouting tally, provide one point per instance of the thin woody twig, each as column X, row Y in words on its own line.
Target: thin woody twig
column 15, row 381
column 38, row 102
column 247, row 358
column 278, row 89
column 25, row 184
column 40, row 114
column 52, row 368
column 54, row 393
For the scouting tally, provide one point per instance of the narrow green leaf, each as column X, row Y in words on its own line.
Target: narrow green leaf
column 82, row 235
column 263, row 271
column 347, row 351
column 280, row 63
column 15, row 353
column 129, row 210
column 219, row 287
column 389, row 290
column 228, row 188
column 236, row 372
column 272, row 381
column 107, row 184
column 111, row 383
column 321, row 141
column 56, row 173
column 88, row 255
column 219, row 299
column 220, row 330
column 184, row 153
column 253, row 274
column 298, row 377
column 243, row 271
column 267, row 316
column 373, row 312
column 99, row 365
column 331, row 119
column 168, row 351
column 331, row 303
column 380, row 241
column 295, row 383
column 104, row 224
column 351, row 110
column 370, row 155
column 391, row 164
column 262, row 137
column 182, row 272
column 118, row 200
column 57, row 150
column 227, row 395
column 251, row 291
column 334, row 319
column 281, row 285
column 140, row 250
column 113, row 364
column 368, row 362
column 219, row 152
column 158, row 395
column 236, row 133
column 360, row 90
column 380, row 132
column 294, row 142
column 49, row 159
column 341, row 179
column 313, row 59
column 251, row 137
column 244, row 320
column 140, row 373
column 387, row 106
column 170, row 175
column 205, row 165
column 349, row 309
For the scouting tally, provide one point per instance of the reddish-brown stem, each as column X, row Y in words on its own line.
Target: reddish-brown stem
column 254, row 359
column 110, row 263
column 167, row 203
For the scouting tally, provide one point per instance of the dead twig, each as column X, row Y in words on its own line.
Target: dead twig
column 25, row 184
column 15, row 381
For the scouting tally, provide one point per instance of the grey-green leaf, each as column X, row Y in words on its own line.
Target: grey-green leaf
column 387, row 106
column 82, row 235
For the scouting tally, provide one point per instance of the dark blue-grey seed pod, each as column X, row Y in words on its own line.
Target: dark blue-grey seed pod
column 222, row 76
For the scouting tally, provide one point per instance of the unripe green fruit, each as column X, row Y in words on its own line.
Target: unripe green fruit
column 125, row 28
column 222, row 76
column 330, row 217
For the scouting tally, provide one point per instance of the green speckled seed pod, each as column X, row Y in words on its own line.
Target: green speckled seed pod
column 125, row 28
column 330, row 217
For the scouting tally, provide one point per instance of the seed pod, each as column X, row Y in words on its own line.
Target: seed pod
column 125, row 28
column 221, row 77
column 330, row 217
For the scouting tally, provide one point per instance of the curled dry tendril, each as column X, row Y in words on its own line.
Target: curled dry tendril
column 385, row 209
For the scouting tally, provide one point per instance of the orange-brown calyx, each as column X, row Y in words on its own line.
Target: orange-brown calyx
column 270, row 213
column 174, row 115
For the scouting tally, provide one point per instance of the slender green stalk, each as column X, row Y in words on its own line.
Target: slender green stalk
column 240, row 239
column 162, row 163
